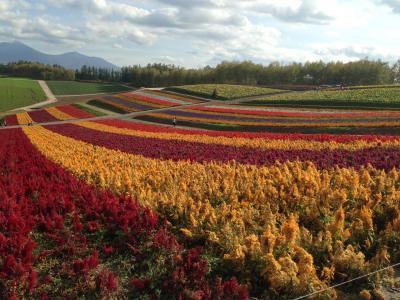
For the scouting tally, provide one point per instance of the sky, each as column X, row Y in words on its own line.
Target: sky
column 196, row 33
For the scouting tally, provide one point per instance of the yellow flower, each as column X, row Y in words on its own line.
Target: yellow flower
column 186, row 232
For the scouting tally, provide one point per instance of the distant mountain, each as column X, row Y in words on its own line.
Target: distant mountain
column 16, row 51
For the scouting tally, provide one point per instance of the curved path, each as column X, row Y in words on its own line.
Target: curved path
column 49, row 95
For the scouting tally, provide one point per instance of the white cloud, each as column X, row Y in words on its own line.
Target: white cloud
column 196, row 3
column 261, row 30
column 17, row 25
column 293, row 11
column 168, row 59
column 394, row 5
column 354, row 52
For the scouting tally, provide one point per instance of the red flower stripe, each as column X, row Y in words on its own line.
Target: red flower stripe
column 74, row 111
column 11, row 120
column 292, row 114
column 181, row 150
column 250, row 135
column 149, row 99
column 42, row 116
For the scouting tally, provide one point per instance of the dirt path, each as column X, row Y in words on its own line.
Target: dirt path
column 83, row 95
column 49, row 95
column 46, row 90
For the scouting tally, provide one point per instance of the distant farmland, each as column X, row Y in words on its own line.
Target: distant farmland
column 16, row 93
column 60, row 88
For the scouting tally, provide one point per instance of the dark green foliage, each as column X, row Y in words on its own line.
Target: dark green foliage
column 37, row 71
column 363, row 72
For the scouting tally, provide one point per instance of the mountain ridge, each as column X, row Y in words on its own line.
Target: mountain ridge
column 17, row 51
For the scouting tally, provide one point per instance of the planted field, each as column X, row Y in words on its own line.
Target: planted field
column 51, row 114
column 253, row 119
column 135, row 101
column 89, row 110
column 172, row 96
column 156, row 212
column 108, row 105
column 16, row 93
column 387, row 97
column 223, row 91
column 62, row 88
column 62, row 237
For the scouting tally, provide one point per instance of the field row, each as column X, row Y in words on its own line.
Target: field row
column 223, row 91
column 52, row 114
column 176, row 147
column 273, row 119
column 118, row 103
column 379, row 97
column 139, row 101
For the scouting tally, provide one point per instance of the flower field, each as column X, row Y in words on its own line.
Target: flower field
column 120, row 209
column 170, row 95
column 269, row 112
column 276, row 120
column 51, row 114
column 378, row 97
column 63, row 238
column 223, row 91
column 138, row 101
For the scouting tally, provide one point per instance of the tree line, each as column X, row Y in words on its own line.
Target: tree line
column 362, row 72
column 36, row 71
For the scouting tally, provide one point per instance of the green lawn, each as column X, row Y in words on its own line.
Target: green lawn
column 60, row 88
column 16, row 93
column 223, row 91
column 89, row 110
column 378, row 97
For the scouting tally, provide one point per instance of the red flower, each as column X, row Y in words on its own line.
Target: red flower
column 108, row 249
column 140, row 284
column 92, row 226
column 112, row 282
column 32, row 280
column 76, row 222
column 93, row 260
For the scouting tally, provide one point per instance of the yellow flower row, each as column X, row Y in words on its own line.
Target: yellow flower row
column 58, row 114
column 252, row 212
column 262, row 143
column 23, row 118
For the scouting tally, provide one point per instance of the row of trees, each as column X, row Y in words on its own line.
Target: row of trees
column 36, row 71
column 101, row 74
column 363, row 72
